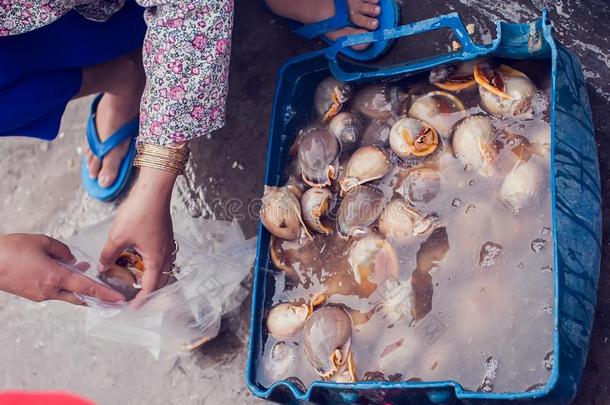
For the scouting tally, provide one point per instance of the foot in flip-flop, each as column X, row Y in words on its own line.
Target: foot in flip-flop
column 362, row 13
column 337, row 18
column 111, row 132
column 111, row 115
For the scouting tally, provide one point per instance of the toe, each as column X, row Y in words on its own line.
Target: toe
column 112, row 164
column 109, row 172
column 363, row 21
column 94, row 164
column 367, row 9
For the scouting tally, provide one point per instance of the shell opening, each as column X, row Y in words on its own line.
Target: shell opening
column 491, row 80
column 426, row 142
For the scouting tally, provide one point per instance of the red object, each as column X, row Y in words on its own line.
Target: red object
column 41, row 398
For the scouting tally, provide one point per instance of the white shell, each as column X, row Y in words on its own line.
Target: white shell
column 315, row 203
column 522, row 186
column 286, row 320
column 366, row 164
column 403, row 129
column 397, row 221
column 374, row 258
column 281, row 213
column 442, row 118
column 519, row 87
column 472, row 143
column 420, row 186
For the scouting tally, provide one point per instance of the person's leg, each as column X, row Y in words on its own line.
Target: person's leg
column 363, row 14
column 122, row 82
column 40, row 71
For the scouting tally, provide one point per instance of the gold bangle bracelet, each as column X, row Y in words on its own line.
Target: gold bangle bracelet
column 172, row 159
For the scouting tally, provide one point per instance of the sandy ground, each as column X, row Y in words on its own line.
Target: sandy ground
column 44, row 345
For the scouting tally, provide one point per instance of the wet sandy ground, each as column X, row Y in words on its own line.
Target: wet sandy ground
column 44, row 346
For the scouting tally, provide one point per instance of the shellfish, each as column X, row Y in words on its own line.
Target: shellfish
column 318, row 153
column 120, row 279
column 453, row 77
column 473, row 144
column 439, row 109
column 397, row 221
column 377, row 133
column 360, row 207
column 412, row 137
column 281, row 213
column 125, row 274
column 504, row 90
column 326, row 340
column 348, row 127
column 521, row 186
column 420, row 185
column 372, row 260
column 286, row 319
column 379, row 101
column 330, row 96
column 366, row 164
column 315, row 204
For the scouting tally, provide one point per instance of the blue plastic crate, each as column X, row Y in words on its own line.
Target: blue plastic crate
column 576, row 208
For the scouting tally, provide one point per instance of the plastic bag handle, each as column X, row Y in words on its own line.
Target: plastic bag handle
column 453, row 21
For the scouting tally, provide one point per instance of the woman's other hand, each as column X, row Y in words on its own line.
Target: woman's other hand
column 144, row 223
column 30, row 268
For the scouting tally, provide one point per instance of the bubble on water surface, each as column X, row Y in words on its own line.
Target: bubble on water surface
column 489, row 252
column 470, row 208
column 538, row 245
column 547, row 269
column 468, row 168
column 491, row 368
column 548, row 360
column 545, row 231
column 456, row 202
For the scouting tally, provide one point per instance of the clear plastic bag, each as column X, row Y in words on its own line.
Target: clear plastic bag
column 214, row 258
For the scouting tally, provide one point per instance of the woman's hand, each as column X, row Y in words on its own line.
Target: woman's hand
column 29, row 268
column 144, row 223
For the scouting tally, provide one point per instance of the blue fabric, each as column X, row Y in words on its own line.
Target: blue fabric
column 41, row 71
column 101, row 149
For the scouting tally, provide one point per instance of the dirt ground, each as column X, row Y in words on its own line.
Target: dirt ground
column 44, row 345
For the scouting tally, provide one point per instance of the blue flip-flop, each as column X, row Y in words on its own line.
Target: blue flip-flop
column 101, row 149
column 389, row 18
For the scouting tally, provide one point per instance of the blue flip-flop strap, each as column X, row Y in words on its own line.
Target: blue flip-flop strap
column 99, row 148
column 338, row 21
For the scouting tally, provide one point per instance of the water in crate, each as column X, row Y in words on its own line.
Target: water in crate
column 412, row 236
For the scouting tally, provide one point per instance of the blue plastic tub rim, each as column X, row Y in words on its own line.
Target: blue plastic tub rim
column 538, row 36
